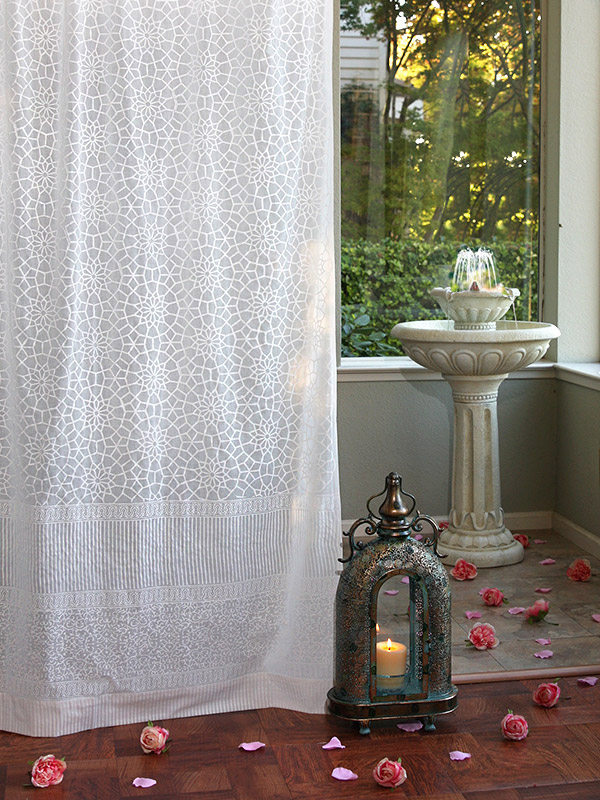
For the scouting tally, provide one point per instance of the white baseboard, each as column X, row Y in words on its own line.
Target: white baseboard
column 518, row 521
column 576, row 534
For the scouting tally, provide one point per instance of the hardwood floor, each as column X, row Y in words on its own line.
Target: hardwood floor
column 560, row 759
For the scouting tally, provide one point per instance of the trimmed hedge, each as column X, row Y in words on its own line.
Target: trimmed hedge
column 389, row 281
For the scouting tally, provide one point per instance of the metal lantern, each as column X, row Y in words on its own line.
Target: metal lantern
column 393, row 625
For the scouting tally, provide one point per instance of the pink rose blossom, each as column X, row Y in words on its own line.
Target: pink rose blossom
column 483, row 636
column 546, row 694
column 47, row 771
column 580, row 570
column 389, row 773
column 537, row 611
column 464, row 570
column 522, row 538
column 153, row 739
column 514, row 727
column 492, row 597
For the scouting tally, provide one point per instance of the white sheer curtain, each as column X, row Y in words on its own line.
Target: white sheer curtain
column 170, row 513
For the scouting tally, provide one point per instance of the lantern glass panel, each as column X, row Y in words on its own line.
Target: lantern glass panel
column 393, row 635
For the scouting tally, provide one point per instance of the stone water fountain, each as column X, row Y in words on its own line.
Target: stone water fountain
column 475, row 349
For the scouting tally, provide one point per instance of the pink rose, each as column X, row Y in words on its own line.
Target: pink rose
column 514, row 727
column 492, row 597
column 522, row 538
column 389, row 773
column 537, row 611
column 154, row 739
column 47, row 771
column 546, row 694
column 464, row 570
column 580, row 570
column 483, row 636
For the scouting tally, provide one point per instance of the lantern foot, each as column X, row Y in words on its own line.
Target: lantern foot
column 365, row 728
column 429, row 723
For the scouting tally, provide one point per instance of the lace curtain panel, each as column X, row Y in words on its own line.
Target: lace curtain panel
column 168, row 480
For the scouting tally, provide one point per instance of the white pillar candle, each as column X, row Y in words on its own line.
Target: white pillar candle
column 391, row 662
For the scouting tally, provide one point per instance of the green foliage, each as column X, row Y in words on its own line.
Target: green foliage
column 389, row 281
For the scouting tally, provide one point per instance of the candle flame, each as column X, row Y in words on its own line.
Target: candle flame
column 389, row 644
column 377, row 627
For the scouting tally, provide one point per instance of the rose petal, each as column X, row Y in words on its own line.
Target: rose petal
column 334, row 744
column 543, row 590
column 405, row 579
column 516, row 610
column 343, row 774
column 143, row 783
column 418, row 536
column 458, row 755
column 251, row 745
column 539, row 541
column 596, row 617
column 548, row 561
column 391, row 591
column 543, row 641
column 544, row 654
column 473, row 614
column 409, row 727
column 588, row 681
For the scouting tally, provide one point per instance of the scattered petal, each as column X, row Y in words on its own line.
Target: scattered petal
column 343, row 774
column 405, row 579
column 458, row 755
column 539, row 541
column 334, row 744
column 143, row 783
column 409, row 727
column 418, row 536
column 587, row 681
column 543, row 641
column 543, row 589
column 596, row 617
column 391, row 591
column 548, row 561
column 516, row 610
column 544, row 654
column 473, row 614
column 251, row 745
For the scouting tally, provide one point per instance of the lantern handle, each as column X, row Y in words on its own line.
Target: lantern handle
column 372, row 514
column 354, row 546
column 432, row 541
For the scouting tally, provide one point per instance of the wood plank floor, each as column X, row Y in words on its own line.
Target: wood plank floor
column 559, row 760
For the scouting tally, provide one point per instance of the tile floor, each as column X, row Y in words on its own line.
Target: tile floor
column 575, row 641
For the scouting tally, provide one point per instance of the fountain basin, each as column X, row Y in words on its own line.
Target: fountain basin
column 474, row 363
column 437, row 345
column 475, row 310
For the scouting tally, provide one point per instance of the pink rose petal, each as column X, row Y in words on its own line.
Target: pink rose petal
column 539, row 541
column 410, row 727
column 548, row 561
column 143, row 783
column 596, row 617
column 458, row 755
column 251, row 746
column 343, row 774
column 391, row 591
column 516, row 610
column 334, row 744
column 543, row 641
column 405, row 579
column 418, row 536
column 587, row 681
column 543, row 590
column 473, row 614
column 544, row 654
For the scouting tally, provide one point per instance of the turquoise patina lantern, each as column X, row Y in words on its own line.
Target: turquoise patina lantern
column 393, row 625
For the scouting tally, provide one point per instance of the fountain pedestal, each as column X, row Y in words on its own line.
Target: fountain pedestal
column 474, row 363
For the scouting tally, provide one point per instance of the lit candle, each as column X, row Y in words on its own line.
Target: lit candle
column 391, row 662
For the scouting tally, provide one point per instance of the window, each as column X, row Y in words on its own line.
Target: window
column 439, row 150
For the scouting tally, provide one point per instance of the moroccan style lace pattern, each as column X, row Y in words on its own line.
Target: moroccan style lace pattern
column 168, row 483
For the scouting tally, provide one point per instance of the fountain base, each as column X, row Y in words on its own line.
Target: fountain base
column 484, row 548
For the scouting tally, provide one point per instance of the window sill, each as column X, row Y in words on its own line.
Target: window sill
column 402, row 368
column 584, row 374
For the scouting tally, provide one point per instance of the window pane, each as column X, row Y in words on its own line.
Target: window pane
column 440, row 151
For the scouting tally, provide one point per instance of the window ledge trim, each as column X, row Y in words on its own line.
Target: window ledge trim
column 581, row 374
